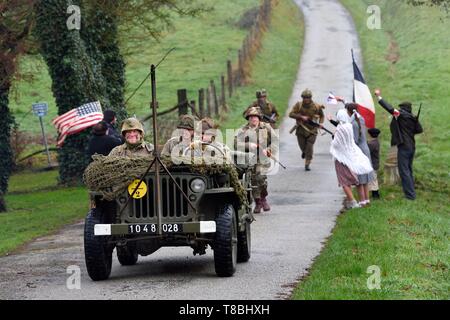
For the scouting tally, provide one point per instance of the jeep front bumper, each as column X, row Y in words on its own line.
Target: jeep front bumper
column 152, row 228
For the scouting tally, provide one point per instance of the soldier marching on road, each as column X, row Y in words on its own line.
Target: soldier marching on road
column 258, row 137
column 309, row 116
column 267, row 108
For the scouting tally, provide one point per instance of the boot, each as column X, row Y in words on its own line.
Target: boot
column 265, row 205
column 258, row 206
column 376, row 194
column 307, row 163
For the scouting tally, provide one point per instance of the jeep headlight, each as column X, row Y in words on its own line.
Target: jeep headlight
column 198, row 185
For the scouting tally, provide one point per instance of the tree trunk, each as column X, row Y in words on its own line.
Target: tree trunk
column 82, row 69
column 6, row 154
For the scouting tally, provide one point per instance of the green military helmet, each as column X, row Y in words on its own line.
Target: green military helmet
column 253, row 111
column 307, row 94
column 263, row 93
column 132, row 124
column 206, row 124
column 186, row 122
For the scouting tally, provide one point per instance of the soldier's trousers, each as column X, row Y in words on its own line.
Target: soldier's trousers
column 405, row 157
column 306, row 144
column 259, row 183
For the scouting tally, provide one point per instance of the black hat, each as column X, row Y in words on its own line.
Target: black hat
column 108, row 115
column 100, row 129
column 374, row 132
column 405, row 105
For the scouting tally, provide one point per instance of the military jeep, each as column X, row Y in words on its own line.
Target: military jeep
column 214, row 215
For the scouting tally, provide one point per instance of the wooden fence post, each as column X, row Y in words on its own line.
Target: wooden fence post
column 182, row 102
column 240, row 79
column 214, row 97
column 230, row 78
column 222, row 92
column 208, row 102
column 201, row 102
column 193, row 110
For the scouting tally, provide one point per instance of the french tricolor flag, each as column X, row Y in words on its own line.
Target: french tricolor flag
column 362, row 96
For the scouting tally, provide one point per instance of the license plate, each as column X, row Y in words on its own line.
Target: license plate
column 153, row 228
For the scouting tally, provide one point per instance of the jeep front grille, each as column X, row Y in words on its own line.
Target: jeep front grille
column 173, row 204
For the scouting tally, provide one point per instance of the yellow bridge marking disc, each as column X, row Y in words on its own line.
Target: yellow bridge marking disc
column 140, row 192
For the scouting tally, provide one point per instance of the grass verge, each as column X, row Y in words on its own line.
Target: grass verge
column 35, row 211
column 408, row 241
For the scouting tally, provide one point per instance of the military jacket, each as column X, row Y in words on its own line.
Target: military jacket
column 263, row 135
column 267, row 109
column 145, row 149
column 170, row 145
column 314, row 111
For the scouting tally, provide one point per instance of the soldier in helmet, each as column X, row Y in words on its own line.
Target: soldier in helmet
column 133, row 133
column 181, row 139
column 258, row 137
column 304, row 112
column 211, row 149
column 268, row 109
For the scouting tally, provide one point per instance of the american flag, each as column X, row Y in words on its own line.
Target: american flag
column 77, row 120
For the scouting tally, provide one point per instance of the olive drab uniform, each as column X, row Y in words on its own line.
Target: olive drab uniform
column 265, row 138
column 174, row 143
column 178, row 142
column 145, row 149
column 305, row 132
column 141, row 148
column 267, row 108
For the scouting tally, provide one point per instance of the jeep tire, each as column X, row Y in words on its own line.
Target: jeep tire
column 225, row 241
column 244, row 244
column 97, row 252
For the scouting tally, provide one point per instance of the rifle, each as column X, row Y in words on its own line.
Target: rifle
column 269, row 119
column 418, row 113
column 293, row 128
column 273, row 158
column 277, row 161
column 314, row 124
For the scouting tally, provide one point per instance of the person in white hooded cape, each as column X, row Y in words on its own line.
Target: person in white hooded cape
column 344, row 149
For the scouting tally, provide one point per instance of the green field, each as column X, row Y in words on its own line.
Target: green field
column 408, row 241
column 275, row 68
column 37, row 206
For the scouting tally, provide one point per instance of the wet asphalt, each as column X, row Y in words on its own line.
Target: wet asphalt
column 285, row 240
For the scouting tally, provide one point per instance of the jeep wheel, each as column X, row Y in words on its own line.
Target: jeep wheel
column 127, row 255
column 225, row 242
column 244, row 244
column 97, row 253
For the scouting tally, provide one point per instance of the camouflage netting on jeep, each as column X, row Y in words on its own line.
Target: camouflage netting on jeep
column 111, row 175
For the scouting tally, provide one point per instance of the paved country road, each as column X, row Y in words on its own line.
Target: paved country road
column 285, row 240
